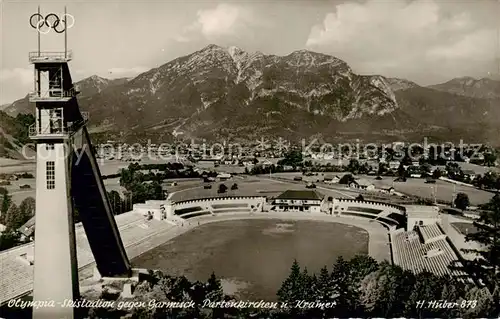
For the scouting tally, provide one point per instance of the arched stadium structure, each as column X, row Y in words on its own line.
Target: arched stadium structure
column 155, row 222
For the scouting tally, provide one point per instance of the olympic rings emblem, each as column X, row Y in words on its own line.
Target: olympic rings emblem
column 51, row 21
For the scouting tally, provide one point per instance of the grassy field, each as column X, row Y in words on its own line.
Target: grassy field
column 246, row 187
column 412, row 186
column 464, row 228
column 444, row 190
column 251, row 186
column 254, row 256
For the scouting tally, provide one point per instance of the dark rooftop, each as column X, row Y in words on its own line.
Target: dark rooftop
column 28, row 228
column 299, row 194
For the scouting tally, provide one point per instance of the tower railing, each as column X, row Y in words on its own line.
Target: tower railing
column 49, row 56
column 52, row 94
column 68, row 129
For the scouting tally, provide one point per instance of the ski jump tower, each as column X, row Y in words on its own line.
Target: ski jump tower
column 68, row 180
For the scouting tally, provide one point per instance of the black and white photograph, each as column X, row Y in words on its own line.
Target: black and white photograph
column 266, row 159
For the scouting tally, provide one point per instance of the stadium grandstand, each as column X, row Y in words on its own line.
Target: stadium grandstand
column 17, row 264
column 426, row 248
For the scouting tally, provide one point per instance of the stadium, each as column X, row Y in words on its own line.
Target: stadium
column 167, row 234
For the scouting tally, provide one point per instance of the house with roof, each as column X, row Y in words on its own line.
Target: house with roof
column 28, row 229
column 331, row 179
column 224, row 176
column 468, row 173
column 362, row 184
column 394, row 165
column 298, row 201
column 387, row 190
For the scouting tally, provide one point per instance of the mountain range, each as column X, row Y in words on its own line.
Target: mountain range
column 220, row 93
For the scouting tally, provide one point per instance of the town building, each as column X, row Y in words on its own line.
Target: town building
column 299, row 201
column 387, row 190
column 28, row 229
column 393, row 165
column 362, row 184
column 224, row 176
column 331, row 179
column 468, row 173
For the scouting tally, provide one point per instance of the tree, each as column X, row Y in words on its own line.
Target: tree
column 126, row 177
column 116, row 202
column 9, row 239
column 486, row 307
column 437, row 173
column 324, row 290
column 462, row 201
column 27, row 208
column 234, row 187
column 361, row 266
column 384, row 291
column 292, row 158
column 489, row 159
column 292, row 289
column 382, row 168
column 13, row 218
column 425, row 168
column 401, row 170
column 486, row 266
column 5, row 204
column 222, row 189
column 346, row 179
column 340, row 279
column 214, row 288
column 214, row 292
column 165, row 288
column 488, row 180
column 360, row 197
column 353, row 166
column 427, row 287
column 452, row 290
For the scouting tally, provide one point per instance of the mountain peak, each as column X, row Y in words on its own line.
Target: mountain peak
column 234, row 50
column 96, row 79
column 398, row 84
column 471, row 87
column 211, row 47
column 302, row 51
column 463, row 79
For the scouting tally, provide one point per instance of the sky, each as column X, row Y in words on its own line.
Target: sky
column 425, row 41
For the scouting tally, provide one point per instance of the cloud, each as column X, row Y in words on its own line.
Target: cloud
column 223, row 20
column 19, row 75
column 180, row 38
column 402, row 36
column 15, row 83
column 471, row 46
